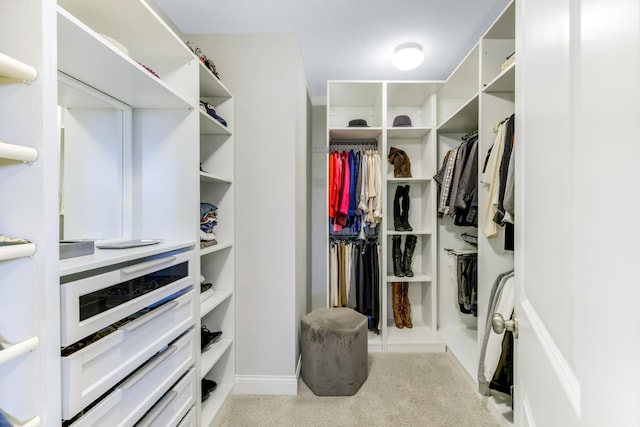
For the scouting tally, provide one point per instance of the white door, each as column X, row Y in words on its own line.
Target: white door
column 578, row 210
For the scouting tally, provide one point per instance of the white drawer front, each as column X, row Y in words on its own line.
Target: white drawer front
column 189, row 420
column 93, row 370
column 73, row 329
column 173, row 406
column 135, row 396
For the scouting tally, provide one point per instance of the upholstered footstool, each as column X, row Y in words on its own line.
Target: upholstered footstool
column 333, row 346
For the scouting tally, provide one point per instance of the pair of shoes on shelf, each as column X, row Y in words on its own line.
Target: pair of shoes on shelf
column 208, row 386
column 205, row 286
column 207, row 338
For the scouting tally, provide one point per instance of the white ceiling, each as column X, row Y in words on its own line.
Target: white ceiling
column 350, row 39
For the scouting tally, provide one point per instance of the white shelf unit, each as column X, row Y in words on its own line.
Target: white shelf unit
column 140, row 136
column 136, row 133
column 217, row 262
column 418, row 100
column 29, row 369
column 346, row 101
column 379, row 102
column 478, row 94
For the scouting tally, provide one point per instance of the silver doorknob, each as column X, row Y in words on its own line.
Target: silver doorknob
column 498, row 324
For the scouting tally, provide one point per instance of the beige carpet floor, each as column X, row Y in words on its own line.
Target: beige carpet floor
column 402, row 389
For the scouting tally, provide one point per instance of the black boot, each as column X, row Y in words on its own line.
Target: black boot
column 398, row 269
column 404, row 216
column 397, row 218
column 409, row 247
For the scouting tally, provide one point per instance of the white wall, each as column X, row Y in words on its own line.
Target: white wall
column 265, row 74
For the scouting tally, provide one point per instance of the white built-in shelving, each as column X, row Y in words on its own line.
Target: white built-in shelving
column 28, row 319
column 217, row 262
column 479, row 93
column 379, row 102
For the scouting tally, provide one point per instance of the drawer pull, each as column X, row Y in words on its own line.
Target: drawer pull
column 145, row 265
column 131, row 326
column 149, row 367
column 158, row 408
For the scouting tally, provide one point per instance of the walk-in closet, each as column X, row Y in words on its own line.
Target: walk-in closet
column 177, row 197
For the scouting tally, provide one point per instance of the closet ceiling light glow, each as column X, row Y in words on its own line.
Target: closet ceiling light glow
column 408, row 56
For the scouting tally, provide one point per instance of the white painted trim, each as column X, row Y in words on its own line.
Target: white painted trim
column 565, row 374
column 267, row 384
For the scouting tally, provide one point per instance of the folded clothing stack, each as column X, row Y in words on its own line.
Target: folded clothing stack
column 208, row 220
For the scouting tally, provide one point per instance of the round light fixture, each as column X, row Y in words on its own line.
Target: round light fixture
column 408, row 56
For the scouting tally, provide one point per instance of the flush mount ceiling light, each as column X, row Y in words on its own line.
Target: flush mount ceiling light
column 408, row 56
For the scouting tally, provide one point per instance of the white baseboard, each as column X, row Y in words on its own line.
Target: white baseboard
column 268, row 384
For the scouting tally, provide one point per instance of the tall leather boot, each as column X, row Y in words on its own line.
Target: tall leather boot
column 404, row 216
column 396, row 295
column 409, row 247
column 397, row 218
column 398, row 269
column 406, row 306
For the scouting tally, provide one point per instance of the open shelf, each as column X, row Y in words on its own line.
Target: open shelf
column 418, row 338
column 354, row 134
column 134, row 86
column 211, row 178
column 210, row 85
column 504, row 82
column 407, row 133
column 215, row 248
column 210, row 126
column 210, row 357
column 415, row 278
column 464, row 119
column 211, row 407
column 217, row 298
column 407, row 180
column 405, row 233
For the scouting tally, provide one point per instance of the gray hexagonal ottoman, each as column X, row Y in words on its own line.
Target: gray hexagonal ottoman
column 333, row 345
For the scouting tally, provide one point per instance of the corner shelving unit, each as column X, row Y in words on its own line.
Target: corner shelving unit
column 217, row 262
column 379, row 102
column 479, row 93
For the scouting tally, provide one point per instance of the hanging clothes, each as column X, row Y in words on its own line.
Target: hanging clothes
column 463, row 269
column 495, row 370
column 458, row 185
column 355, row 277
column 355, row 192
column 498, row 175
